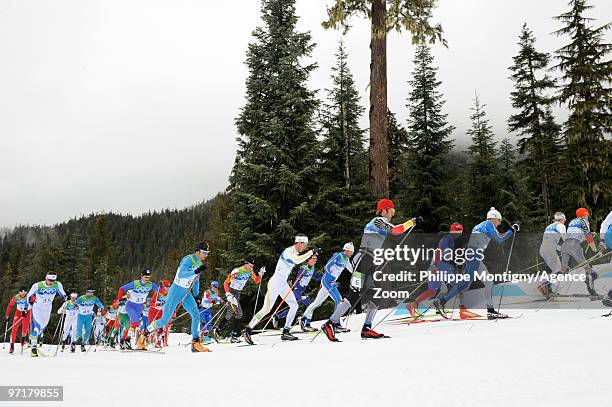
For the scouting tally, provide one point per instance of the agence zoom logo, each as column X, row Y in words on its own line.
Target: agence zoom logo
column 412, row 255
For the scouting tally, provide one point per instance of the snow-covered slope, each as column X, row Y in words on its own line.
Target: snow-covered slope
column 544, row 358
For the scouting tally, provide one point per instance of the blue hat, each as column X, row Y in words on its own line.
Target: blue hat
column 215, row 284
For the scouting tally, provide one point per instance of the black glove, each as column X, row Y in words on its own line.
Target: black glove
column 317, row 251
column 24, row 313
column 418, row 221
column 6, row 319
column 200, row 269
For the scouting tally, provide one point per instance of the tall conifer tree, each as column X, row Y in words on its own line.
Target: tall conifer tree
column 586, row 72
column 535, row 126
column 275, row 171
column 429, row 136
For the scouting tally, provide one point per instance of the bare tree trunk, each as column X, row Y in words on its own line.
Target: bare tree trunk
column 379, row 179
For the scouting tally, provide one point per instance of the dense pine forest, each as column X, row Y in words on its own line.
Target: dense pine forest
column 304, row 164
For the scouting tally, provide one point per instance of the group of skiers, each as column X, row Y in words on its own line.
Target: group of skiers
column 135, row 316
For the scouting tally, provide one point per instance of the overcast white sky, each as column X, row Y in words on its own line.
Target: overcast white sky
column 129, row 106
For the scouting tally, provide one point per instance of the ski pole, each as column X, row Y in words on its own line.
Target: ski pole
column 212, row 320
column 398, row 305
column 5, row 331
column 257, row 298
column 592, row 258
column 9, row 328
column 501, row 296
column 57, row 327
column 364, row 290
column 596, row 256
column 284, row 298
column 62, row 327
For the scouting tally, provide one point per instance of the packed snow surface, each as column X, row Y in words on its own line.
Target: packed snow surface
column 546, row 357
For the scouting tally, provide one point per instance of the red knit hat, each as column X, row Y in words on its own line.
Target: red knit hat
column 384, row 204
column 456, row 227
column 580, row 212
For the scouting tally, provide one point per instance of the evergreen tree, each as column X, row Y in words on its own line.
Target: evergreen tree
column 398, row 154
column 275, row 171
column 99, row 254
column 342, row 202
column 75, row 263
column 586, row 71
column 482, row 165
column 385, row 15
column 512, row 193
column 429, row 132
column 538, row 133
column 343, row 150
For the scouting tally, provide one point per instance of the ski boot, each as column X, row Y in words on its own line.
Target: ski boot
column 247, row 336
column 141, row 342
column 368, row 333
column 545, row 290
column 196, row 346
column 275, row 322
column 235, row 338
column 286, row 336
column 590, row 282
column 339, row 329
column 412, row 309
column 83, row 347
column 34, row 352
column 12, row 348
column 72, row 347
column 328, row 330
column 217, row 334
column 305, row 325
column 465, row 313
column 492, row 314
column 439, row 303
column 126, row 344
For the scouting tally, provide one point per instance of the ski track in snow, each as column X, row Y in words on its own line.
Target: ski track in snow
column 546, row 358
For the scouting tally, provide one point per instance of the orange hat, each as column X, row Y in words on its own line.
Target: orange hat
column 384, row 204
column 580, row 212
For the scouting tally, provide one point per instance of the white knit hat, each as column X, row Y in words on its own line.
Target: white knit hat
column 493, row 214
column 349, row 246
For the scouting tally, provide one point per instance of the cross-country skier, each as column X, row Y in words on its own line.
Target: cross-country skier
column 98, row 327
column 135, row 304
column 278, row 287
column 578, row 231
column 553, row 233
column 122, row 326
column 21, row 317
column 329, row 288
column 233, row 286
column 374, row 235
column 481, row 236
column 605, row 233
column 41, row 297
column 444, row 265
column 158, row 300
column 85, row 304
column 69, row 308
column 305, row 273
column 111, row 316
column 209, row 298
column 186, row 285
